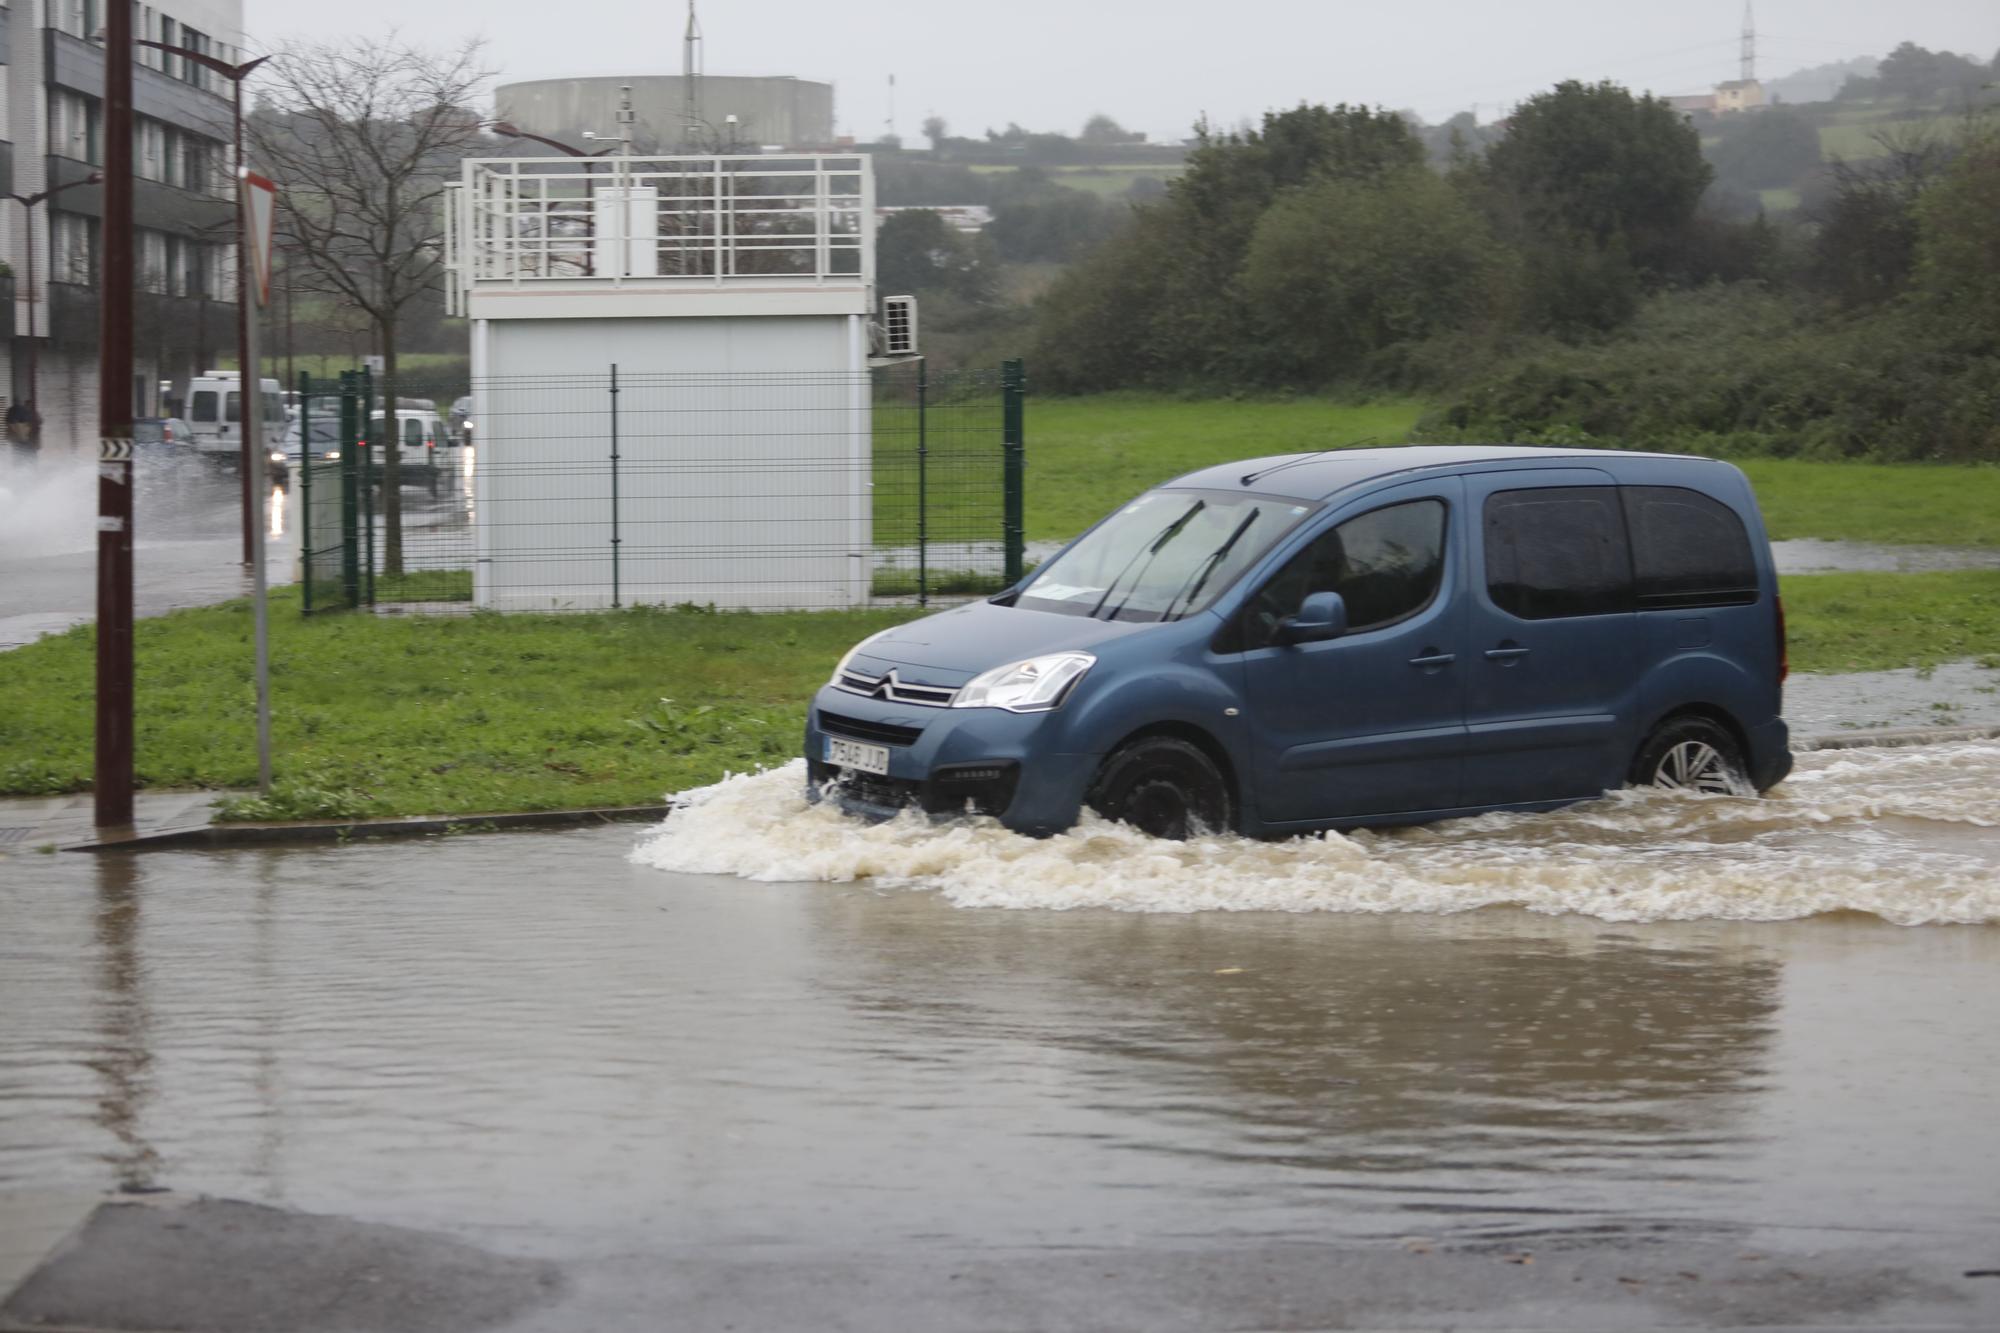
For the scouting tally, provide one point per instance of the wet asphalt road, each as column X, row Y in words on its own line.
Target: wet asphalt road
column 843, row 1106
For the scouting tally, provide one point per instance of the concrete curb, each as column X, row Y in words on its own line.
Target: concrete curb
column 354, row 830
column 1857, row 740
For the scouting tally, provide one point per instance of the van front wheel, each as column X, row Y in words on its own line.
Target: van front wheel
column 1164, row 787
column 1693, row 754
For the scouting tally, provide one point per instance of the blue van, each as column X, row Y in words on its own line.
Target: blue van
column 1329, row 640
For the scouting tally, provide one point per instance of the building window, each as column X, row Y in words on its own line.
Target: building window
column 153, row 272
column 73, row 242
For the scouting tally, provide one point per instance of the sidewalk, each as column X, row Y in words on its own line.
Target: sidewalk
column 35, row 823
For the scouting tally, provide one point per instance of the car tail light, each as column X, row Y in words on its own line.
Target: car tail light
column 1784, row 650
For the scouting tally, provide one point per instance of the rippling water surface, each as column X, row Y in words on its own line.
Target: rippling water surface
column 551, row 1040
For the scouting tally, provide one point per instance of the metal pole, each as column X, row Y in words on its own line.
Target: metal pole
column 923, row 483
column 253, row 430
column 614, row 486
column 1013, row 393
column 304, row 381
column 113, row 784
column 351, row 424
column 34, row 349
column 247, row 378
column 368, row 481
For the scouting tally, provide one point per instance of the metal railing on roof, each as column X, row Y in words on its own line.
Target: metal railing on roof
column 748, row 220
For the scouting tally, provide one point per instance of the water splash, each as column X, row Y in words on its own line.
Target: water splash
column 1891, row 832
column 47, row 507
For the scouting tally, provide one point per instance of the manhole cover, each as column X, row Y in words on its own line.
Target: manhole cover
column 8, row 835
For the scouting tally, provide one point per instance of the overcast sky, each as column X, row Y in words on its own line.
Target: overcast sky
column 1157, row 65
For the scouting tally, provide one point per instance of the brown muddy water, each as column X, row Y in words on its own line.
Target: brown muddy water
column 552, row 1042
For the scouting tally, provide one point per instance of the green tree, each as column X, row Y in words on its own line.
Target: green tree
column 1593, row 161
column 1774, row 148
column 1957, row 251
column 1340, row 269
column 919, row 252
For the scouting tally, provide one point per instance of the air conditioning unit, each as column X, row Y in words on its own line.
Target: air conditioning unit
column 899, row 326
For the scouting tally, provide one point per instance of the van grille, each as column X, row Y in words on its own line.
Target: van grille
column 882, row 733
column 894, row 689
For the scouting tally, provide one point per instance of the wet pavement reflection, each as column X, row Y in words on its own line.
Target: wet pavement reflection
column 530, row 1038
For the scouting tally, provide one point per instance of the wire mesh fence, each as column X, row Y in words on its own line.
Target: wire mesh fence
column 764, row 491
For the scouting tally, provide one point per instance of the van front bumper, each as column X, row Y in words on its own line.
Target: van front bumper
column 948, row 762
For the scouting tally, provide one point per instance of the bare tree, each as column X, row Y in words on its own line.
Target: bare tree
column 362, row 137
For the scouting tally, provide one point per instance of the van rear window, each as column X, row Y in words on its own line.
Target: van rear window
column 204, row 404
column 1687, row 549
column 1557, row 551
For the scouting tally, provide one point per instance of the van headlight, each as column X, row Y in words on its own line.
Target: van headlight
column 1034, row 686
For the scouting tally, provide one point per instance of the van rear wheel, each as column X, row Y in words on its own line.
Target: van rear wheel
column 1165, row 787
column 1693, row 754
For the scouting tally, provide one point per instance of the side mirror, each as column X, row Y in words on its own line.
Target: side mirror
column 1322, row 617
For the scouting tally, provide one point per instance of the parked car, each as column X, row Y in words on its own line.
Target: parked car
column 1370, row 636
column 428, row 451
column 461, row 421
column 162, row 437
column 215, row 412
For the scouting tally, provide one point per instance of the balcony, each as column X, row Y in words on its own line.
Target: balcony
column 567, row 237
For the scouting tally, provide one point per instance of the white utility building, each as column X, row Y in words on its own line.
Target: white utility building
column 733, row 296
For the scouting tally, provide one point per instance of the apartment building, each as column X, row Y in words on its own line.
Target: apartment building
column 52, row 138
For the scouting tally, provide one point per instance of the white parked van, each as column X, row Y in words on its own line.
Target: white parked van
column 215, row 414
column 427, row 449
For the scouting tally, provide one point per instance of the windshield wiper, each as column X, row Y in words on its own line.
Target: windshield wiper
column 1150, row 550
column 1209, row 565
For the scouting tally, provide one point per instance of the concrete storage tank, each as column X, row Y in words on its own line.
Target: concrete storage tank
column 792, row 113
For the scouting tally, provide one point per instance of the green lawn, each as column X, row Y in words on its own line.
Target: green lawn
column 440, row 715
column 469, row 714
column 1088, row 455
column 1917, row 503
column 1871, row 622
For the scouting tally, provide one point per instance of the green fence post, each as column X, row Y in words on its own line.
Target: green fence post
column 1013, row 439
column 305, row 494
column 923, row 482
column 368, row 486
column 350, row 481
column 614, row 486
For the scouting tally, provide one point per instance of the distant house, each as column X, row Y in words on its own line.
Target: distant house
column 968, row 218
column 1738, row 95
column 1693, row 102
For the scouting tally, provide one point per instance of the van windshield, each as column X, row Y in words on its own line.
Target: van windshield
column 1166, row 555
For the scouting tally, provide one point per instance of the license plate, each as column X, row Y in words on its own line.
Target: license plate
column 853, row 754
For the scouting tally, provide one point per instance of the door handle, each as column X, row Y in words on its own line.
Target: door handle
column 1506, row 654
column 1434, row 660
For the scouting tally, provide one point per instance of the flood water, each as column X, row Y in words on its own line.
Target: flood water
column 553, row 1043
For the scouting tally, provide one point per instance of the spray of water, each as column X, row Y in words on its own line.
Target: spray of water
column 46, row 507
column 1892, row 832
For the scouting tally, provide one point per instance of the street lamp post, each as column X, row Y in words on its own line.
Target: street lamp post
column 28, row 203
column 508, row 130
column 248, row 380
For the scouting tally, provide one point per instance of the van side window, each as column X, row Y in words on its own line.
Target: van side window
column 1386, row 564
column 1557, row 551
column 204, row 405
column 232, row 406
column 1687, row 549
column 413, row 432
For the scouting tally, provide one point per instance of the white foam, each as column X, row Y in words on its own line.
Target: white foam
column 1855, row 830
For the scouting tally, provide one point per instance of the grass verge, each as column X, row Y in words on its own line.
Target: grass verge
column 435, row 715
column 465, row 714
column 1874, row 622
column 1896, row 503
column 1088, row 455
